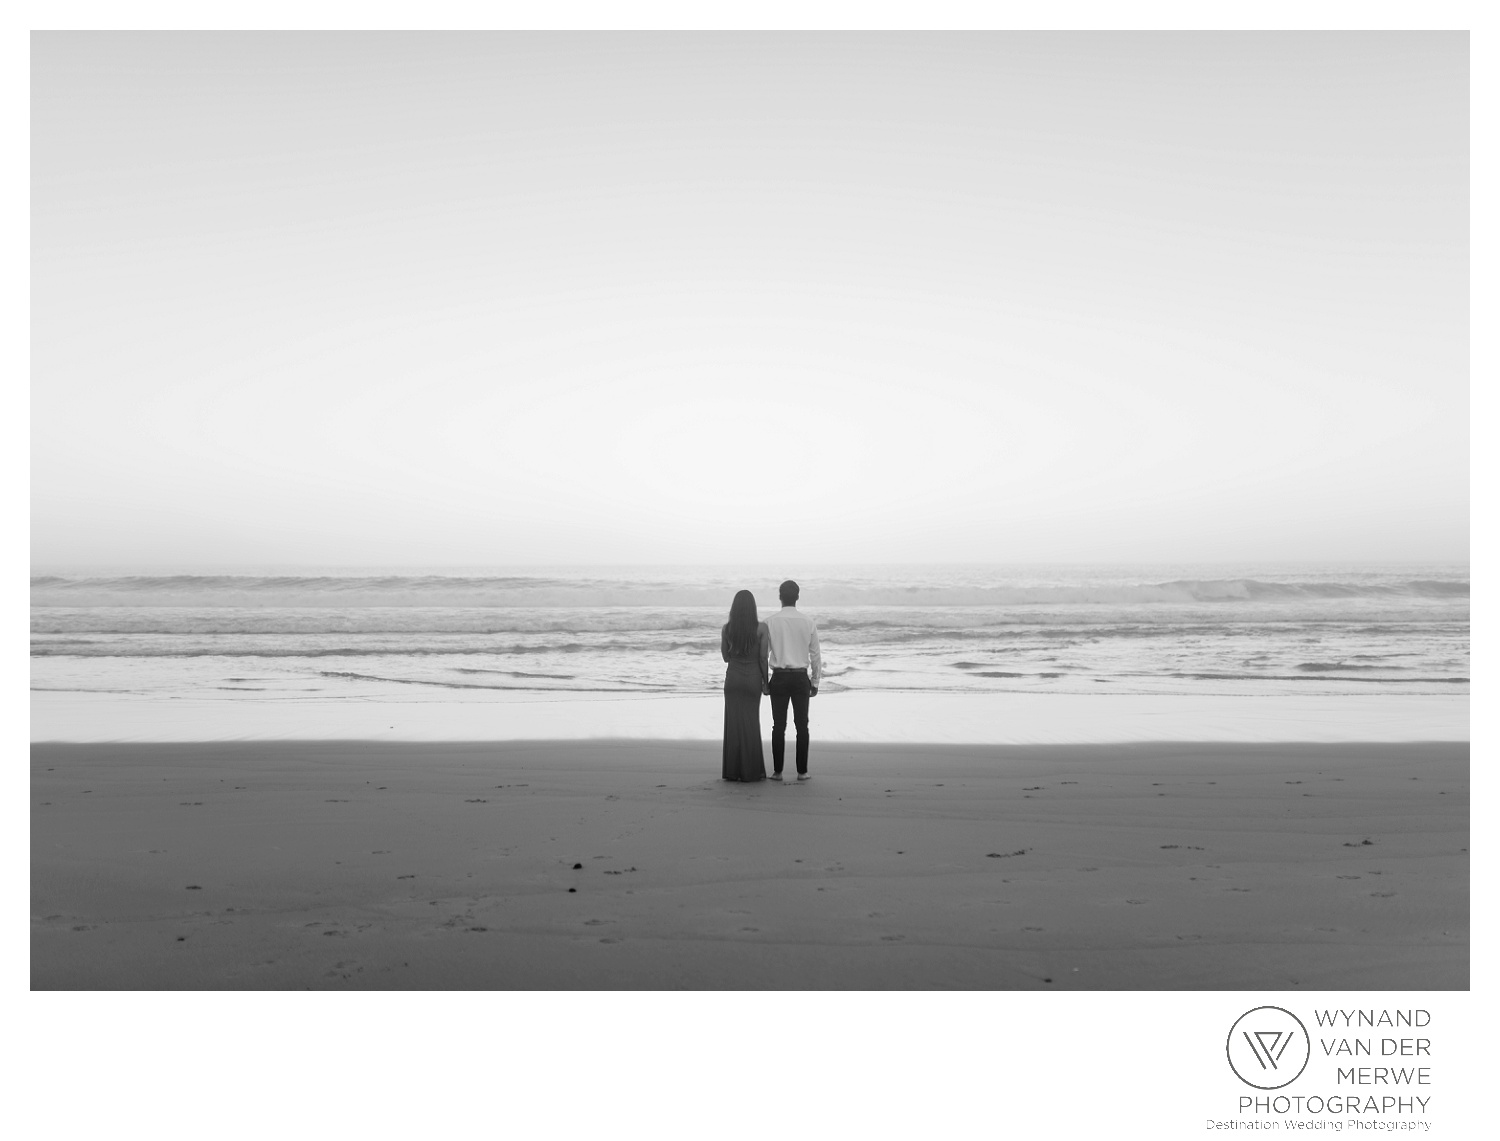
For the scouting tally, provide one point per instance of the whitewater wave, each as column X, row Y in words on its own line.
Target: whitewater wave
column 1321, row 677
column 134, row 650
column 436, row 683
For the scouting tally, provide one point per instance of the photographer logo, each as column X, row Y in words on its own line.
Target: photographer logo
column 1268, row 1047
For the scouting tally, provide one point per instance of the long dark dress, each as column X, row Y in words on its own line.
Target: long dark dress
column 744, row 758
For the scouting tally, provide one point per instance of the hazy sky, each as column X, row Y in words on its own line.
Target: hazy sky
column 518, row 298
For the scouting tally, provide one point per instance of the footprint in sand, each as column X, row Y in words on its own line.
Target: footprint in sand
column 1382, row 894
column 1237, row 889
column 892, row 938
column 594, row 922
column 1031, row 928
column 1136, row 901
column 1349, row 877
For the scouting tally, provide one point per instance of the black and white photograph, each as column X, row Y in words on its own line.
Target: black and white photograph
column 721, row 511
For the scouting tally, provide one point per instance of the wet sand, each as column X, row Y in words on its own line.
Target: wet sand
column 628, row 864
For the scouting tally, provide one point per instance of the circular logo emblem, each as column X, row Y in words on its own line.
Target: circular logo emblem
column 1268, row 1047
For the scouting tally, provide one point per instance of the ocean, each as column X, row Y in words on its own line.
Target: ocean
column 372, row 635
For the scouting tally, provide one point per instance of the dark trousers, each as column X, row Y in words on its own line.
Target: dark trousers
column 796, row 687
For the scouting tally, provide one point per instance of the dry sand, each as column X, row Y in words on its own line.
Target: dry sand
column 338, row 865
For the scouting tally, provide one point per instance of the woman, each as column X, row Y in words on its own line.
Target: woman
column 745, row 644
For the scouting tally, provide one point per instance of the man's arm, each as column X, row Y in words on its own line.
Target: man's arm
column 814, row 656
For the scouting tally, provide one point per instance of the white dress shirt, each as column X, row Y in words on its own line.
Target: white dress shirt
column 794, row 643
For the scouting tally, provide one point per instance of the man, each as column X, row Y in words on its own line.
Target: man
column 796, row 670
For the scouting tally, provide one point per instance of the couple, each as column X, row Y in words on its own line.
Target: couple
column 780, row 657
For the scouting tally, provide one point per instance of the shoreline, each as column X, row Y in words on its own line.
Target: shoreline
column 383, row 865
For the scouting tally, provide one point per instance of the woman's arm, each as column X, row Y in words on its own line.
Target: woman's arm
column 763, row 645
column 724, row 643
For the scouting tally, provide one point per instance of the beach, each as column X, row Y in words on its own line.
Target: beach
column 1056, row 777
column 626, row 864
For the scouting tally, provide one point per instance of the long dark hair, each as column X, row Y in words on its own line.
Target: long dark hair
column 744, row 624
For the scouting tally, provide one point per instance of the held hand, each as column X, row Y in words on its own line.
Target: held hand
column 814, row 692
